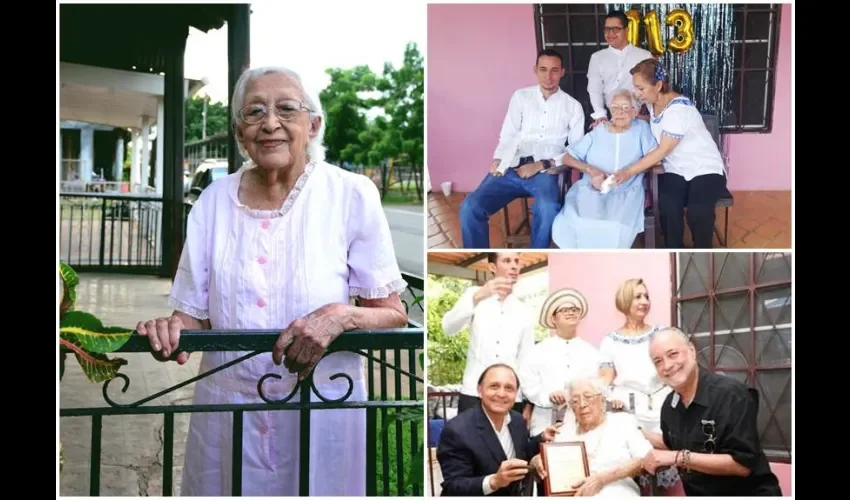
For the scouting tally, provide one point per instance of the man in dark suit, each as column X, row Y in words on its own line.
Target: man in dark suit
column 487, row 450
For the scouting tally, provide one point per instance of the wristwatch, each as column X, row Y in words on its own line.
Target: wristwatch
column 547, row 164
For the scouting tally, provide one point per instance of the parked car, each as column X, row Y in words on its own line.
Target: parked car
column 207, row 172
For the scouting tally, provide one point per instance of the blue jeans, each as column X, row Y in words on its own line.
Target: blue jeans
column 495, row 192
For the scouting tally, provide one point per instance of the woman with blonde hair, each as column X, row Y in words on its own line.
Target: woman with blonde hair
column 627, row 368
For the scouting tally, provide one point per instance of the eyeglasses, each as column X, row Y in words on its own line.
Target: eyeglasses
column 584, row 398
column 568, row 310
column 621, row 109
column 612, row 29
column 285, row 110
column 708, row 430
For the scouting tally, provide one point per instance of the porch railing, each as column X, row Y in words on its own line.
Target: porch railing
column 106, row 232
column 113, row 232
column 383, row 350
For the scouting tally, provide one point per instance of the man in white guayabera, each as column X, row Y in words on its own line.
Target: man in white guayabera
column 540, row 121
column 501, row 330
column 608, row 70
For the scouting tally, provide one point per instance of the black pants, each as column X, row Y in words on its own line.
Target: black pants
column 700, row 196
column 466, row 402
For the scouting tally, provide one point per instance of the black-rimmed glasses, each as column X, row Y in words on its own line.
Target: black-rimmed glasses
column 568, row 310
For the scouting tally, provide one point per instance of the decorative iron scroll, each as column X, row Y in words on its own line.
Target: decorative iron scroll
column 260, row 382
column 171, row 389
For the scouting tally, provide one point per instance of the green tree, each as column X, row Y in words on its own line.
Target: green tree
column 446, row 354
column 400, row 135
column 218, row 121
column 345, row 111
column 397, row 131
column 403, row 102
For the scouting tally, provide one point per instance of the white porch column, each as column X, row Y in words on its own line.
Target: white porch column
column 86, row 153
column 118, row 168
column 135, row 165
column 146, row 150
column 160, row 141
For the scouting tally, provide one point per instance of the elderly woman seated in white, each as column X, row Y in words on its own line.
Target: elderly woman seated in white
column 596, row 214
column 281, row 244
column 615, row 446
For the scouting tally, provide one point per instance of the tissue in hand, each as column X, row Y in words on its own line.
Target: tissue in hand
column 607, row 184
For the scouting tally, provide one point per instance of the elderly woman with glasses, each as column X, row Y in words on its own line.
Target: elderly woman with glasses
column 284, row 243
column 615, row 447
column 597, row 214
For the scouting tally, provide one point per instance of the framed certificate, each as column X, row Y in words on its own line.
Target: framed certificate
column 565, row 464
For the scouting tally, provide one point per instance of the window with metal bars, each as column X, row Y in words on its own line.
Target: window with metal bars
column 736, row 307
column 575, row 30
column 754, row 55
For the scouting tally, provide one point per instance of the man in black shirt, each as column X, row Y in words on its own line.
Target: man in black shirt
column 708, row 424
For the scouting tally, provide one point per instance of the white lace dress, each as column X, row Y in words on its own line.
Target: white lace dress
column 263, row 269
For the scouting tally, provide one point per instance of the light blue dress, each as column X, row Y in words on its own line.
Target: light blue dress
column 590, row 219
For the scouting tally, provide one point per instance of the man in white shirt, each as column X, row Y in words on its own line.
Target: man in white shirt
column 553, row 363
column 541, row 120
column 608, row 70
column 501, row 327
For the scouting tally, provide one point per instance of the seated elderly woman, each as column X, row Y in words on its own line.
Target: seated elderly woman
column 694, row 172
column 594, row 216
column 615, row 446
column 281, row 244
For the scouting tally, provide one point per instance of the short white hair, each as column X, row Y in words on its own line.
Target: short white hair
column 595, row 383
column 671, row 331
column 623, row 93
column 316, row 147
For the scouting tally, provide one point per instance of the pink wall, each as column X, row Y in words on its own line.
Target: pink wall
column 478, row 55
column 597, row 276
column 770, row 154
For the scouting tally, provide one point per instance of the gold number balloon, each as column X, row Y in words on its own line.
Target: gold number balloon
column 653, row 33
column 684, row 25
column 633, row 27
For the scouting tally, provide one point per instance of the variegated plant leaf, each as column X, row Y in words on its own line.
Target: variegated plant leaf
column 69, row 276
column 85, row 330
column 97, row 367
